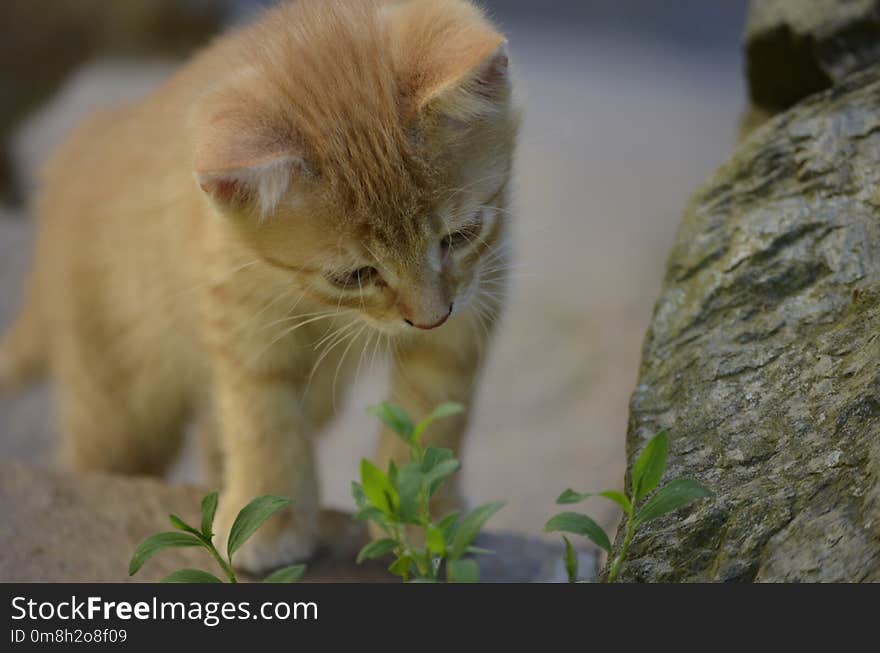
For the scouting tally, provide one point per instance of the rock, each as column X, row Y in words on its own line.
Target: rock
column 795, row 48
column 54, row 43
column 60, row 527
column 763, row 357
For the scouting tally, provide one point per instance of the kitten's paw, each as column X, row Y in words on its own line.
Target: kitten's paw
column 288, row 537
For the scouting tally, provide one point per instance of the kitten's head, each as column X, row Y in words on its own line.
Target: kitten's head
column 366, row 147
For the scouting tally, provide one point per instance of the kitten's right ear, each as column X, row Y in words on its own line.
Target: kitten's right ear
column 245, row 161
column 258, row 186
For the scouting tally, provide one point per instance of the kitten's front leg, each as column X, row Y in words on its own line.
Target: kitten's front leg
column 266, row 451
column 430, row 369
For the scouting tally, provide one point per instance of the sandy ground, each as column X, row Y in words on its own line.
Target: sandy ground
column 617, row 135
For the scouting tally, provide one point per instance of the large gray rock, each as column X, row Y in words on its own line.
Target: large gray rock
column 763, row 358
column 61, row 527
column 795, row 48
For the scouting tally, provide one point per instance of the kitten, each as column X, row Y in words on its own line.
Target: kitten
column 328, row 183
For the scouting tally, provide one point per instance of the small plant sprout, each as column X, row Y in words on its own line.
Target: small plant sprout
column 638, row 508
column 248, row 521
column 398, row 500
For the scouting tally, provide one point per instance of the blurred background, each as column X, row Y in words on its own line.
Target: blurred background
column 629, row 106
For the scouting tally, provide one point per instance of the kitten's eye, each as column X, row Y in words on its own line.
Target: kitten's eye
column 356, row 279
column 461, row 238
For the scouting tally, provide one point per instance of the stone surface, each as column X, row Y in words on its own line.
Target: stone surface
column 763, row 358
column 798, row 47
column 57, row 527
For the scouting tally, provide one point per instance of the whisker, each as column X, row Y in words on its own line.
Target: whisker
column 479, row 312
column 353, row 340
column 289, row 331
column 376, row 349
column 299, row 316
column 326, row 352
column 473, row 321
column 338, row 331
column 364, row 349
column 227, row 276
column 457, row 191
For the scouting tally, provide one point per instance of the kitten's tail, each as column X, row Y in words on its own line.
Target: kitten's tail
column 22, row 353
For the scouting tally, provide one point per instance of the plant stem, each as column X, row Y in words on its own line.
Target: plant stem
column 225, row 566
column 618, row 561
column 407, row 549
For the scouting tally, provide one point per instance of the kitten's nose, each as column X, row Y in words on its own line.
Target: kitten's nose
column 439, row 323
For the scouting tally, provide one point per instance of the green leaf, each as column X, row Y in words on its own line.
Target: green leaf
column 409, row 487
column 376, row 549
column 649, row 467
column 443, row 410
column 674, row 495
column 392, row 472
column 462, row 571
column 191, row 576
column 479, row 551
column 469, row 528
column 357, row 493
column 209, row 509
column 571, row 561
column 570, row 496
column 251, row 517
column 378, row 488
column 152, row 545
column 402, row 567
column 438, row 460
column 435, row 456
column 441, row 471
column 448, row 524
column 394, row 418
column 619, row 498
column 370, row 514
column 435, row 540
column 291, row 574
column 181, row 525
column 575, row 522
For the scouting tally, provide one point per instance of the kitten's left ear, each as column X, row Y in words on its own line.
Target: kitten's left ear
column 480, row 91
column 449, row 57
column 244, row 161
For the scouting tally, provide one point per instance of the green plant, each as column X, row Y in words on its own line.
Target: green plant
column 398, row 501
column 638, row 508
column 248, row 521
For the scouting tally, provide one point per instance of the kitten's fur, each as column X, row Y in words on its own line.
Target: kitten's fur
column 192, row 247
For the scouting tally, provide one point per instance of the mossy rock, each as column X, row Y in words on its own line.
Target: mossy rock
column 763, row 357
column 795, row 48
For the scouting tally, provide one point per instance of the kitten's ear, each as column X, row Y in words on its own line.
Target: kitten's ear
column 244, row 161
column 259, row 185
column 481, row 90
column 449, row 57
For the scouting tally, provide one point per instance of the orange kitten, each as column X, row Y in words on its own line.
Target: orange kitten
column 310, row 188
